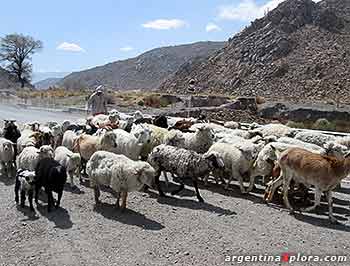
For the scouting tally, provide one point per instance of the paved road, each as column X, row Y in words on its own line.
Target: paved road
column 23, row 115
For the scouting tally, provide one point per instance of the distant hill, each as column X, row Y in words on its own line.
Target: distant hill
column 146, row 71
column 46, row 83
column 39, row 76
column 299, row 51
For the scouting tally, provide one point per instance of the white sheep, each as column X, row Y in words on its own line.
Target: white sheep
column 278, row 130
column 28, row 138
column 201, row 140
column 7, row 155
column 120, row 173
column 314, row 137
column 131, row 144
column 30, row 156
column 238, row 161
column 232, row 125
column 71, row 161
column 184, row 163
column 138, row 115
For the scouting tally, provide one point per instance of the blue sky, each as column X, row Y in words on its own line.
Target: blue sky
column 78, row 34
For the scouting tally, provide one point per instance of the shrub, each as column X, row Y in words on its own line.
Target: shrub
column 140, row 103
column 294, row 124
column 323, row 124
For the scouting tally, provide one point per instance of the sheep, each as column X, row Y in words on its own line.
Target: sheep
column 201, row 140
column 120, row 173
column 345, row 141
column 297, row 142
column 138, row 115
column 65, row 125
column 127, row 124
column 311, row 169
column 238, row 161
column 232, row 125
column 131, row 144
column 57, row 134
column 87, row 145
column 314, row 138
column 25, row 181
column 7, row 155
column 71, row 161
column 278, row 130
column 69, row 138
column 12, row 133
column 52, row 176
column 29, row 157
column 160, row 136
column 161, row 121
column 29, row 138
column 183, row 163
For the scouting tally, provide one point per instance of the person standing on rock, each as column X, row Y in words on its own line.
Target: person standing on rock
column 97, row 103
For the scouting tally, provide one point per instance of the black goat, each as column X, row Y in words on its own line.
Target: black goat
column 52, row 176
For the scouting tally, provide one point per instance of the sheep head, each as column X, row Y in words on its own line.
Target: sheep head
column 145, row 174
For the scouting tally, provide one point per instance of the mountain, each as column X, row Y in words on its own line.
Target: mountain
column 300, row 51
column 146, row 71
column 46, row 83
column 39, row 76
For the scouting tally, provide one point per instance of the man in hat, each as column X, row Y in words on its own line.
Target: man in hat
column 97, row 102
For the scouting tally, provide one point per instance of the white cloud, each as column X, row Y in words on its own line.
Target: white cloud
column 247, row 10
column 126, row 49
column 71, row 47
column 212, row 27
column 165, row 24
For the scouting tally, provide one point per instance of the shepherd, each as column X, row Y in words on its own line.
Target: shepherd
column 97, row 103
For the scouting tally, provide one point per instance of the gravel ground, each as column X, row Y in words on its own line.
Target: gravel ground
column 167, row 231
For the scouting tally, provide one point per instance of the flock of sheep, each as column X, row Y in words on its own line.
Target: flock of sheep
column 130, row 152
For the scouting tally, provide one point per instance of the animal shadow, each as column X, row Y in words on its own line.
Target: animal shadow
column 191, row 204
column 128, row 216
column 60, row 217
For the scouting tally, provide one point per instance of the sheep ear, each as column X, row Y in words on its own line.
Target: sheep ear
column 347, row 155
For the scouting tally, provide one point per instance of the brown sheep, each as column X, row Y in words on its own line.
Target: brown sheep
column 311, row 169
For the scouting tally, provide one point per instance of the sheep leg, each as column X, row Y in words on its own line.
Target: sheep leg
column 117, row 205
column 59, row 197
column 195, row 184
column 97, row 194
column 23, row 198
column 71, row 177
column 317, row 202
column 30, row 199
column 271, row 189
column 37, row 190
column 330, row 207
column 166, row 179
column 16, row 192
column 286, row 184
column 251, row 183
column 124, row 197
column 181, row 187
column 50, row 200
column 241, row 184
column 160, row 191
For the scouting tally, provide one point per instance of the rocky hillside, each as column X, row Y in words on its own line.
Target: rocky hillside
column 299, row 51
column 146, row 71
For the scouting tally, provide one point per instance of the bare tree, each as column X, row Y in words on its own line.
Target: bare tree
column 16, row 51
